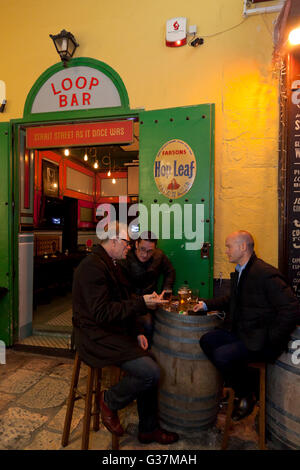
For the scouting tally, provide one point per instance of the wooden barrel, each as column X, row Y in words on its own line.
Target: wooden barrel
column 190, row 384
column 283, row 398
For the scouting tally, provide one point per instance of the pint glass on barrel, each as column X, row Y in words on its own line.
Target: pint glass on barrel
column 184, row 294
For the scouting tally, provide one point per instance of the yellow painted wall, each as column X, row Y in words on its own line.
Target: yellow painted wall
column 233, row 69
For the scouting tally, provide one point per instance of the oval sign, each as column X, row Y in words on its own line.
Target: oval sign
column 174, row 169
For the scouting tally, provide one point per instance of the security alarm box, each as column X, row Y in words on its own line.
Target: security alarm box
column 176, row 32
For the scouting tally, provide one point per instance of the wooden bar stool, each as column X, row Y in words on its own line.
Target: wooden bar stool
column 261, row 404
column 93, row 387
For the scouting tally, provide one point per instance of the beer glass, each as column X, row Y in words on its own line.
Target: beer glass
column 184, row 294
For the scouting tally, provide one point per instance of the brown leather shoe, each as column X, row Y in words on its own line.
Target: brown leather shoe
column 110, row 418
column 159, row 435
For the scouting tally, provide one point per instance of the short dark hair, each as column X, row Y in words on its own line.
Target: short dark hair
column 149, row 236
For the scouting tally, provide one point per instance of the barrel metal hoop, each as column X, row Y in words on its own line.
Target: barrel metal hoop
column 186, row 398
column 283, row 412
column 287, row 367
column 282, row 428
column 180, row 355
column 201, row 425
column 175, row 317
column 188, row 412
column 280, row 440
column 186, row 328
column 178, row 339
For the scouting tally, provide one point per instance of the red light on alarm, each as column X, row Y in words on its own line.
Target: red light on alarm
column 178, row 43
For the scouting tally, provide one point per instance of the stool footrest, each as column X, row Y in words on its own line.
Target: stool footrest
column 92, row 388
column 261, row 403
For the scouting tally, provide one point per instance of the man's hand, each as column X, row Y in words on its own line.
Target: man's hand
column 143, row 342
column 154, row 300
column 198, row 306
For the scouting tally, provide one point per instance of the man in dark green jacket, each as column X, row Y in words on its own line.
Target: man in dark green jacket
column 142, row 267
column 261, row 312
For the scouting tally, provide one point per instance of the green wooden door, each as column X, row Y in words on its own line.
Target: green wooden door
column 176, row 186
column 6, row 247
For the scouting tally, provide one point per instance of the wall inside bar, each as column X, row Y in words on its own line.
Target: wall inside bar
column 233, row 69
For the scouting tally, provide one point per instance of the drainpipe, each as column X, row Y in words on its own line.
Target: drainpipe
column 256, row 11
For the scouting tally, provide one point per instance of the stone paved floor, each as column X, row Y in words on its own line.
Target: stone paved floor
column 33, row 393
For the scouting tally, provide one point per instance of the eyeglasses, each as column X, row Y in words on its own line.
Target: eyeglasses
column 124, row 240
column 144, row 251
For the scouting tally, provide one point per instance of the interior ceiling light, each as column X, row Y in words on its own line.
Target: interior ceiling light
column 113, row 181
column 294, row 37
column 96, row 164
column 108, row 173
column 85, row 158
column 65, row 44
column 67, row 152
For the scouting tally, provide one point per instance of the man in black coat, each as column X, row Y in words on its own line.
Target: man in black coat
column 104, row 317
column 143, row 267
column 261, row 312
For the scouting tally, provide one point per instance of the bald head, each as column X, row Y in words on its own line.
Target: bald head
column 239, row 246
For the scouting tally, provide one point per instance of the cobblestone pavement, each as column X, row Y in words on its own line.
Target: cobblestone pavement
column 33, row 394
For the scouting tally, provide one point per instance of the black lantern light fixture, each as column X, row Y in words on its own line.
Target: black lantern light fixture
column 65, row 44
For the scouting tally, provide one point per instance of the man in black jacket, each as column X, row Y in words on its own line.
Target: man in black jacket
column 143, row 267
column 104, row 317
column 261, row 312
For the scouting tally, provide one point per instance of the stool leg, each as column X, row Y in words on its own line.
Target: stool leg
column 115, row 375
column 262, row 409
column 115, row 378
column 87, row 409
column 228, row 417
column 114, row 442
column 96, row 412
column 71, row 401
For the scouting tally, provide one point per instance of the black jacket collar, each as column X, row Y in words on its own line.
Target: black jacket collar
column 234, row 275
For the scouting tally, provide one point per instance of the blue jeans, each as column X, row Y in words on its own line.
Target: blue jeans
column 141, row 384
column 230, row 356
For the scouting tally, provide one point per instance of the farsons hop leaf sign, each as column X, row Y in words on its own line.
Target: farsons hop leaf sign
column 174, row 169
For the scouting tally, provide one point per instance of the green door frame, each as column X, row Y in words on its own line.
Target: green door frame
column 6, row 233
column 51, row 118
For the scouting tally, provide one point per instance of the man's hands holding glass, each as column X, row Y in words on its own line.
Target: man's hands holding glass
column 199, row 306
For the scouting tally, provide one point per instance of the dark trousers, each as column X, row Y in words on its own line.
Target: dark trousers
column 230, row 356
column 146, row 322
column 140, row 383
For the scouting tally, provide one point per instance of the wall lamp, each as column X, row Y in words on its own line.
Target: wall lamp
column 294, row 37
column 65, row 44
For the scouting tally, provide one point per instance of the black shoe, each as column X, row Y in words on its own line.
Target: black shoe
column 159, row 435
column 243, row 408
